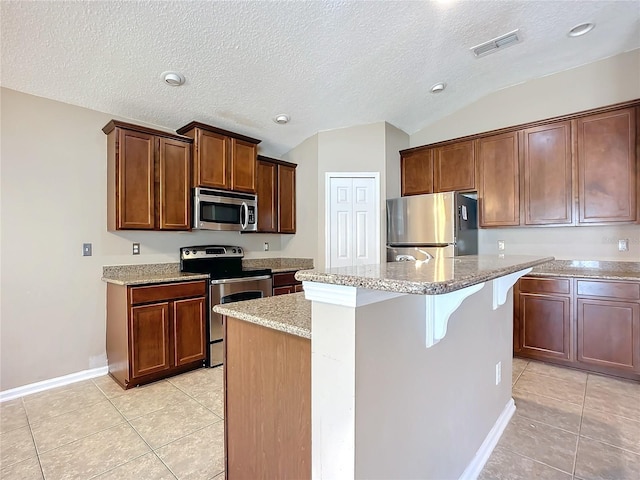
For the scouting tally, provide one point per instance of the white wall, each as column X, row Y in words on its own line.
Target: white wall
column 304, row 243
column 609, row 81
column 53, row 198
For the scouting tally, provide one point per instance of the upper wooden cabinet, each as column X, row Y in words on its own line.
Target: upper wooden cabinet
column 148, row 171
column 222, row 159
column 607, row 167
column 547, row 174
column 579, row 169
column 416, row 170
column 276, row 195
column 454, row 167
column 498, row 180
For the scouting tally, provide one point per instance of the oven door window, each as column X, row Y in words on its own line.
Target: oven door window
column 220, row 213
column 241, row 296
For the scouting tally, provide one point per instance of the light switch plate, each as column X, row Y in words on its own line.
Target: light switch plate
column 86, row 250
column 623, row 245
column 500, row 244
column 136, row 249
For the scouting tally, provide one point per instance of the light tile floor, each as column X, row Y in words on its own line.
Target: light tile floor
column 94, row 429
column 568, row 425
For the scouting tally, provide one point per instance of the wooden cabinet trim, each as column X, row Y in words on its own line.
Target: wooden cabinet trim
column 109, row 127
column 608, row 289
column 220, row 131
column 545, row 285
column 166, row 291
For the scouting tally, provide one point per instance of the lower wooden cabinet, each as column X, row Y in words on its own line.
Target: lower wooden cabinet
column 593, row 325
column 155, row 331
column 284, row 283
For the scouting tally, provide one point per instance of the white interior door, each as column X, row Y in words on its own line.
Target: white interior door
column 353, row 224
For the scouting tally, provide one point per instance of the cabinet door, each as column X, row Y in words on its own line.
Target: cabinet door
column 499, row 181
column 149, row 335
column 211, row 165
column 243, row 166
column 454, row 167
column 135, row 198
column 283, row 290
column 267, row 196
column 416, row 172
column 286, row 199
column 547, row 169
column 175, row 192
column 545, row 326
column 607, row 167
column 609, row 334
column 189, row 323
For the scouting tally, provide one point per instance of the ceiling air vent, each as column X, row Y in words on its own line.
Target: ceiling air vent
column 498, row 43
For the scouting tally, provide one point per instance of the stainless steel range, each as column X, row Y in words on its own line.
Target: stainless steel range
column 229, row 283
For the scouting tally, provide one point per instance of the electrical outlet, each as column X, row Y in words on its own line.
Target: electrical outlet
column 86, row 250
column 500, row 245
column 623, row 245
column 266, row 246
column 136, row 249
column 498, row 373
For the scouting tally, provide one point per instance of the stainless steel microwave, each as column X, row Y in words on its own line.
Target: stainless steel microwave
column 222, row 210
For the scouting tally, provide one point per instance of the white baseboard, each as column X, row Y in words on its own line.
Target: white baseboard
column 491, row 440
column 52, row 383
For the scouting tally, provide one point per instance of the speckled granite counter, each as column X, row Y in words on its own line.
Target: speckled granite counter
column 589, row 269
column 433, row 277
column 147, row 273
column 279, row 265
column 287, row 313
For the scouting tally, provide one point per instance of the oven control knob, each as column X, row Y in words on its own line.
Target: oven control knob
column 234, row 250
column 193, row 251
column 186, row 252
column 239, row 250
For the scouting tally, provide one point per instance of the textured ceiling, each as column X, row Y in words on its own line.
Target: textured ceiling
column 328, row 64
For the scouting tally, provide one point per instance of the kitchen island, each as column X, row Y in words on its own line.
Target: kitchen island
column 407, row 361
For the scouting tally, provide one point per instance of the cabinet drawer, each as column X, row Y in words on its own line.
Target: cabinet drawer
column 169, row 291
column 545, row 285
column 593, row 288
column 280, row 279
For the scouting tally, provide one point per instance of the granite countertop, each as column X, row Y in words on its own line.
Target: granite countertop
column 589, row 269
column 147, row 273
column 433, row 277
column 286, row 313
column 279, row 265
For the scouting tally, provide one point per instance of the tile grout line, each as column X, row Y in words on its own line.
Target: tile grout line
column 575, row 456
column 33, row 438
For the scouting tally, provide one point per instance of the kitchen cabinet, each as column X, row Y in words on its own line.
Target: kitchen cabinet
column 547, row 174
column 542, row 318
column 148, row 186
column 454, row 167
column 154, row 331
column 498, row 180
column 608, row 316
column 222, row 159
column 593, row 325
column 416, row 171
column 607, row 167
column 276, row 190
column 286, row 282
column 579, row 169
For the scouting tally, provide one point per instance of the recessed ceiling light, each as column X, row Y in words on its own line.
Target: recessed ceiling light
column 581, row 29
column 438, row 87
column 173, row 79
column 281, row 119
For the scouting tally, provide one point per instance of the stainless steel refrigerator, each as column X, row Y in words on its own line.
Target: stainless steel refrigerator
column 420, row 227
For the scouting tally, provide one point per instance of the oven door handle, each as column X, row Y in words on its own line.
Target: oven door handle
column 245, row 209
column 236, row 280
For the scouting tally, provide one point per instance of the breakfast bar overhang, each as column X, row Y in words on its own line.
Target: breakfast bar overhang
column 411, row 365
